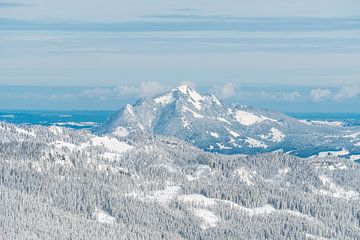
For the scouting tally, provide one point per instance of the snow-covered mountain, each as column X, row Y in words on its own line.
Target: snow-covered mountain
column 133, row 183
column 207, row 123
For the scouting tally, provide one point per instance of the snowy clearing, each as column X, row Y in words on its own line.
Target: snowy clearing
column 111, row 144
column 247, row 118
column 209, row 219
column 275, row 135
column 121, row 132
column 253, row 143
column 103, row 217
column 335, row 190
column 245, row 176
column 214, row 134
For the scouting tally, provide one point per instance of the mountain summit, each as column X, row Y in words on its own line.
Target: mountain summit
column 204, row 121
column 178, row 108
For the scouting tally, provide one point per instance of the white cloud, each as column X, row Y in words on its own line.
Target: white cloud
column 227, row 90
column 293, row 96
column 282, row 96
column 145, row 89
column 320, row 94
column 347, row 92
column 61, row 96
column 99, row 93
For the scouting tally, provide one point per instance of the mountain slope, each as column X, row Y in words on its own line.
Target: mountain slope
column 57, row 183
column 210, row 125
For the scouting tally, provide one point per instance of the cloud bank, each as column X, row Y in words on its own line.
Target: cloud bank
column 320, row 94
column 347, row 92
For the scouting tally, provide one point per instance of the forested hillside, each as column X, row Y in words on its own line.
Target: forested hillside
column 57, row 183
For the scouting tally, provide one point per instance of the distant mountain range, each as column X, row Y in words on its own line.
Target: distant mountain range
column 204, row 121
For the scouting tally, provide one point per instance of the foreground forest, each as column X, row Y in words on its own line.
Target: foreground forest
column 57, row 183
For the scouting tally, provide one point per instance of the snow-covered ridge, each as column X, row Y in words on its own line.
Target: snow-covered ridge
column 25, row 132
column 164, row 99
column 195, row 114
column 77, row 124
column 322, row 123
column 202, row 202
column 111, row 144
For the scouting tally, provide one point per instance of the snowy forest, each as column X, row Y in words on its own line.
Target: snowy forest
column 58, row 183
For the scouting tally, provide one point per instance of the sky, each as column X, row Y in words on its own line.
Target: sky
column 286, row 55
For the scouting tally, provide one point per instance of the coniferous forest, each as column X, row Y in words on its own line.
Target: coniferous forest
column 57, row 183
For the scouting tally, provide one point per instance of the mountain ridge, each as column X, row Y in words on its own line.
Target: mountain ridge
column 206, row 122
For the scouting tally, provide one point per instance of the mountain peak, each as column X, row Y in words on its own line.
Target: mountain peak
column 184, row 88
column 194, row 97
column 187, row 90
column 182, row 91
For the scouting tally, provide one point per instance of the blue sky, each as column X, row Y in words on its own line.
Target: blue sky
column 282, row 54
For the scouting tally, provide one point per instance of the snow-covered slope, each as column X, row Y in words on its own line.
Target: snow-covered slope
column 207, row 123
column 58, row 183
